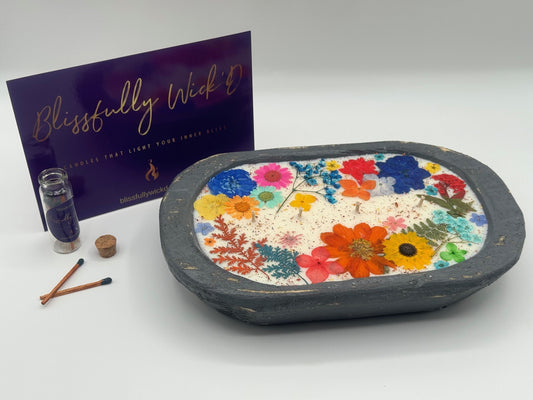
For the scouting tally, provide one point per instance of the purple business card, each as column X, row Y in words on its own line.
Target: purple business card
column 124, row 128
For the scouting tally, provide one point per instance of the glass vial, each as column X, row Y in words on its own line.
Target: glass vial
column 58, row 204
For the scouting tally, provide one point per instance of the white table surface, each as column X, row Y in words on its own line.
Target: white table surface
column 455, row 74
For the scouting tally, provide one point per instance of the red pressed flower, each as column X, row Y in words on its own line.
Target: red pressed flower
column 359, row 167
column 358, row 249
column 450, row 186
column 318, row 268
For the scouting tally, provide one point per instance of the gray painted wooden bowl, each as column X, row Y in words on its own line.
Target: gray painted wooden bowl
column 260, row 303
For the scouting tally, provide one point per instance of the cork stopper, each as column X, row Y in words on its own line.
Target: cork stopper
column 106, row 245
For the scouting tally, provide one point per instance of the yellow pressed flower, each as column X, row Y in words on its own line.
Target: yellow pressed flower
column 303, row 201
column 432, row 168
column 210, row 206
column 332, row 165
column 408, row 250
column 239, row 207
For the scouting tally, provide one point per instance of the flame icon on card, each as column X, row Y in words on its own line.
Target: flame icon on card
column 152, row 174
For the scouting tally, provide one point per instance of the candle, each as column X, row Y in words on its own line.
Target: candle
column 411, row 215
column 385, row 228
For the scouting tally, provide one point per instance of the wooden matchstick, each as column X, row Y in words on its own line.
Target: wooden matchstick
column 105, row 281
column 62, row 281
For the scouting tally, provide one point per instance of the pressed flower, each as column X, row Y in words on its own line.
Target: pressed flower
column 431, row 190
column 432, row 167
column 273, row 175
column 289, row 239
column 209, row 242
column 318, row 268
column 267, row 196
column 471, row 237
column 441, row 264
column 393, row 224
column 450, row 186
column 242, row 207
column 408, row 250
column 235, row 182
column 352, row 189
column 441, row 217
column 406, row 172
column 204, row 228
column 358, row 167
column 357, row 249
column 303, row 201
column 210, row 206
column 478, row 219
column 379, row 157
column 384, row 186
column 453, row 253
column 459, row 225
column 332, row 165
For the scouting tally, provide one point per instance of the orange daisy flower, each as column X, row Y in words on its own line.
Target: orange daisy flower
column 358, row 250
column 352, row 189
column 239, row 207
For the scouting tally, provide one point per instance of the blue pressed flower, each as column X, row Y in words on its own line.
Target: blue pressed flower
column 330, row 178
column 440, row 216
column 330, row 198
column 463, row 224
column 235, row 182
column 299, row 167
column 204, row 228
column 441, row 264
column 406, row 172
column 459, row 225
column 330, row 190
column 478, row 219
column 379, row 157
column 470, row 237
column 432, row 190
column 311, row 181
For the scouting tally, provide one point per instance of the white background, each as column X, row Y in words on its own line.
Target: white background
column 451, row 73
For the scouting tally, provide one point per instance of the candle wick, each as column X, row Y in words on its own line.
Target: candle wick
column 357, row 207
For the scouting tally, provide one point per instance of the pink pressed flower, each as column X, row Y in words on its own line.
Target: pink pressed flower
column 273, row 175
column 394, row 223
column 289, row 239
column 318, row 268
